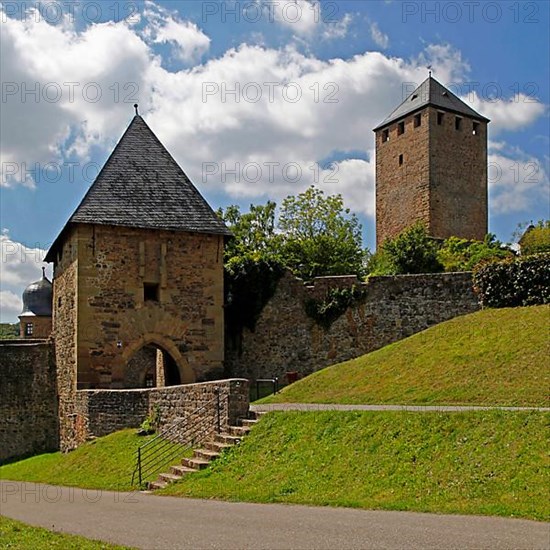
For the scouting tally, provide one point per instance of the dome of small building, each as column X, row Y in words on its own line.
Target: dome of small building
column 37, row 297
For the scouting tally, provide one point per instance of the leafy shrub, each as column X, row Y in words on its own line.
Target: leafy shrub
column 513, row 283
column 536, row 239
column 462, row 255
column 412, row 251
column 151, row 424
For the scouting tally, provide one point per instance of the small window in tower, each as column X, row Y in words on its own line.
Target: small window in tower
column 400, row 160
column 475, row 128
column 59, row 302
column 401, row 128
column 417, row 120
column 439, row 119
column 385, row 136
column 458, row 123
column 29, row 329
column 151, row 292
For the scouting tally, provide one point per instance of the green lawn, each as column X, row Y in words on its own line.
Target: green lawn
column 14, row 534
column 493, row 357
column 490, row 462
column 104, row 463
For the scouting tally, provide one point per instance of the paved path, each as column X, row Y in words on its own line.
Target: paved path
column 148, row 521
column 416, row 408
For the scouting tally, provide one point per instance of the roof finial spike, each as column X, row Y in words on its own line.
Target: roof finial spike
column 136, row 108
column 429, row 67
column 43, row 272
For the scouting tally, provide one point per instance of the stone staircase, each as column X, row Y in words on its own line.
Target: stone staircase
column 210, row 450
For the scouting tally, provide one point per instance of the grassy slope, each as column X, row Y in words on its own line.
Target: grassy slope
column 469, row 463
column 493, row 357
column 105, row 463
column 14, row 534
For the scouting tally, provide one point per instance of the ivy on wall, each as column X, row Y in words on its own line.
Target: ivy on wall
column 337, row 300
column 249, row 286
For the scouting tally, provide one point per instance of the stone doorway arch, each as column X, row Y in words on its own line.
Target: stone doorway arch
column 155, row 361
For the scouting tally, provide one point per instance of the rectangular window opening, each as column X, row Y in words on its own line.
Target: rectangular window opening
column 475, row 128
column 29, row 329
column 401, row 128
column 385, row 136
column 458, row 123
column 439, row 119
column 417, row 120
column 150, row 292
column 400, row 160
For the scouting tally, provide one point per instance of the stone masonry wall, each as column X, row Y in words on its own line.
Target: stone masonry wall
column 441, row 181
column 115, row 318
column 28, row 399
column 402, row 191
column 100, row 412
column 64, row 331
column 458, row 177
column 286, row 339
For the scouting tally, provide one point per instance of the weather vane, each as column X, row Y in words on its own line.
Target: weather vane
column 429, row 67
column 136, row 108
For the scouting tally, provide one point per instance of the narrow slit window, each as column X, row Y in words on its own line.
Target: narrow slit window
column 417, row 120
column 401, row 128
column 385, row 136
column 439, row 119
column 150, row 292
column 458, row 123
column 475, row 128
column 400, row 160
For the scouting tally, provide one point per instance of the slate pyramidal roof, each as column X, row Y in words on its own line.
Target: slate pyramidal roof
column 142, row 186
column 433, row 93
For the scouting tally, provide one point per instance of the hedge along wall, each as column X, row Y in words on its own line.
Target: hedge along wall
column 101, row 412
column 514, row 283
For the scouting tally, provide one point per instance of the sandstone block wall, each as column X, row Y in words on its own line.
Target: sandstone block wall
column 458, row 177
column 402, row 191
column 115, row 318
column 41, row 326
column 286, row 339
column 28, row 399
column 441, row 180
column 101, row 412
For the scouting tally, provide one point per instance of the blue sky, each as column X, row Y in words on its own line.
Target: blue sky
column 309, row 80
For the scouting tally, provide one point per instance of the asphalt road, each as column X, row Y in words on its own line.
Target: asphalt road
column 148, row 521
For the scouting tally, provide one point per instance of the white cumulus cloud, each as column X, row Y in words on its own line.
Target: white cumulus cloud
column 20, row 265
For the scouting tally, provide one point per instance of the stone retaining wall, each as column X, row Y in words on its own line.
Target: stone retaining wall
column 28, row 399
column 286, row 339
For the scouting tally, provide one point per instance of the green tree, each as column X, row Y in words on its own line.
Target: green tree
column 534, row 239
column 463, row 255
column 319, row 236
column 412, row 251
column 254, row 237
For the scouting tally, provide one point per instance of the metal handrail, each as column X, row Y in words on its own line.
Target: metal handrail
column 176, row 439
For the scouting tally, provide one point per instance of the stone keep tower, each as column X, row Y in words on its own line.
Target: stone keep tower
column 138, row 277
column 431, row 165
